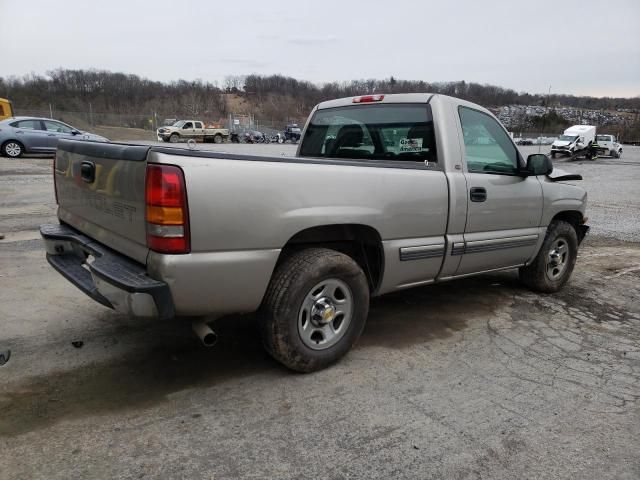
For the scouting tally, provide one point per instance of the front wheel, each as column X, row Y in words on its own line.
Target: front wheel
column 553, row 265
column 174, row 138
column 12, row 149
column 315, row 309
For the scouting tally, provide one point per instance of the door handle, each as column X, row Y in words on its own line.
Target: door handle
column 478, row 194
column 51, row 135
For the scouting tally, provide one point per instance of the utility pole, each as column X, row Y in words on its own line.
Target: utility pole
column 50, row 111
column 90, row 114
column 546, row 116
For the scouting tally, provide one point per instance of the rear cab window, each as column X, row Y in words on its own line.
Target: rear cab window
column 392, row 132
column 604, row 138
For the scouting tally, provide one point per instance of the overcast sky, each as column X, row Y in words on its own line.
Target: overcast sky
column 583, row 47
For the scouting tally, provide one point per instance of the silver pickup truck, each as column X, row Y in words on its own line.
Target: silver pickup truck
column 386, row 192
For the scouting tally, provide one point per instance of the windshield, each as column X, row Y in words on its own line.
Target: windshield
column 179, row 123
column 568, row 138
column 603, row 138
column 378, row 132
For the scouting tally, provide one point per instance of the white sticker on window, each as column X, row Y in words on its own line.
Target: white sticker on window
column 411, row 144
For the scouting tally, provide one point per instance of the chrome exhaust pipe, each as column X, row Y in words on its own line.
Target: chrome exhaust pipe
column 204, row 332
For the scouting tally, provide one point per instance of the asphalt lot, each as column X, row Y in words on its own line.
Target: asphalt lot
column 478, row 378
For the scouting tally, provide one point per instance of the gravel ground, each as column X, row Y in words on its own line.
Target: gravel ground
column 477, row 378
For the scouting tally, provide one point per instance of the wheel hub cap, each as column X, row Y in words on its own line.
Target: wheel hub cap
column 13, row 149
column 557, row 259
column 325, row 314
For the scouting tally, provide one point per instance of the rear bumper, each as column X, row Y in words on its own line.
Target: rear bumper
column 109, row 278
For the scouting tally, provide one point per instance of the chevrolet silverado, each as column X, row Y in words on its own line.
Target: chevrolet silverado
column 386, row 192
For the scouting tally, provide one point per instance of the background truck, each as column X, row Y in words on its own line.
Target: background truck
column 574, row 140
column 607, row 145
column 385, row 193
column 292, row 133
column 184, row 130
column 6, row 109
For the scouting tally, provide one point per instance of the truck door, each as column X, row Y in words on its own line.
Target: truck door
column 198, row 130
column 188, row 130
column 504, row 210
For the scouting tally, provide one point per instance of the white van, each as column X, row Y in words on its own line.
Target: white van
column 573, row 140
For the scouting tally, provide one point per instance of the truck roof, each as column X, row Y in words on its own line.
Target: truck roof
column 388, row 98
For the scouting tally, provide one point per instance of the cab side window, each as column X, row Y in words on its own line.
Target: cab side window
column 198, row 124
column 187, row 125
column 488, row 147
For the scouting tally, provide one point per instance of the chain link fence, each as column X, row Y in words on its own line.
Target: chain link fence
column 116, row 123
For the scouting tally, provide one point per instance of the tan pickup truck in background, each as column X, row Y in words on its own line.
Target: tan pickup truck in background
column 184, row 130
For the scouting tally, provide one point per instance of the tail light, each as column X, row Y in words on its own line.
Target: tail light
column 166, row 210
column 368, row 99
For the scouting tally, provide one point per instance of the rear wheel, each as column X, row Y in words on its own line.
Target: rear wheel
column 174, row 138
column 217, row 138
column 553, row 265
column 12, row 149
column 315, row 309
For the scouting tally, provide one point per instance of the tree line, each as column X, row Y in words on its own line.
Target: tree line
column 275, row 97
column 113, row 93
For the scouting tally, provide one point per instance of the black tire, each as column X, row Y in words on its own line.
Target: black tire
column 553, row 154
column 217, row 138
column 12, row 149
column 538, row 275
column 174, row 138
column 290, row 285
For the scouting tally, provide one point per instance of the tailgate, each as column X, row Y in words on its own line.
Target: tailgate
column 100, row 188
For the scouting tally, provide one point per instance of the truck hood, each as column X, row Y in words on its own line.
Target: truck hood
column 561, row 143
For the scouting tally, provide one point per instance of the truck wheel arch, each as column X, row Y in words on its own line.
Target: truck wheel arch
column 360, row 242
column 575, row 219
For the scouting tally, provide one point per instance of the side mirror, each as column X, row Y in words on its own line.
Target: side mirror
column 75, row 132
column 539, row 164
